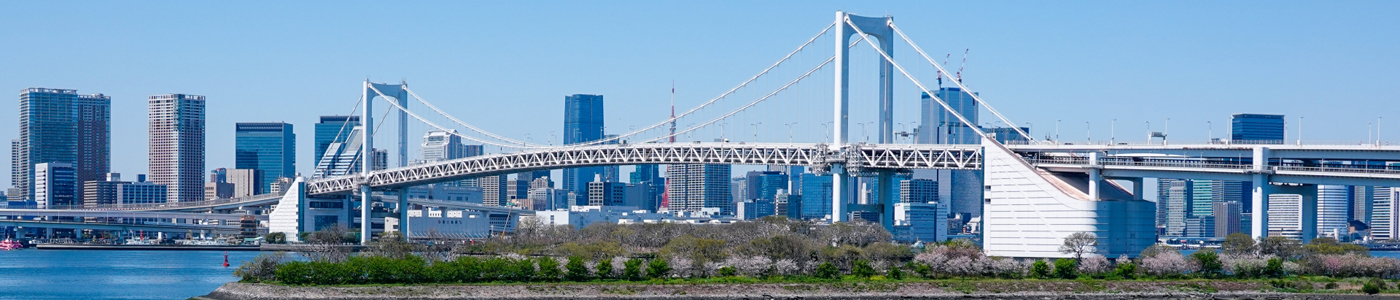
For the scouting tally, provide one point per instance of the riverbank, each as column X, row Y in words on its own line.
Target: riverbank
column 939, row 289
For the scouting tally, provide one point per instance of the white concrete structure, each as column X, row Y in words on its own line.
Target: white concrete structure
column 1029, row 212
column 286, row 216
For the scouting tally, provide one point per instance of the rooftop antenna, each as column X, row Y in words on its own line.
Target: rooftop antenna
column 964, row 64
column 940, row 71
column 673, row 111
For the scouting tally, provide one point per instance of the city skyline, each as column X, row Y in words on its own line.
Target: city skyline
column 996, row 69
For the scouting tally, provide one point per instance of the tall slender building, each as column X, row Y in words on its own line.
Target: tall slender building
column 177, row 145
column 269, row 147
column 61, row 126
column 1333, row 210
column 583, row 122
column 963, row 188
column 333, row 129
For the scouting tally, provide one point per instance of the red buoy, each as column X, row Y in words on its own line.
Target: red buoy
column 225, row 259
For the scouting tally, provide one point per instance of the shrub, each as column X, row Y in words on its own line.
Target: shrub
column 262, row 268
column 294, row 273
column 1065, row 268
column 827, row 271
column 658, row 268
column 1274, row 268
column 1373, row 286
column 727, row 271
column 549, row 269
column 604, row 269
column 895, row 273
column 276, row 238
column 1208, row 263
column 1126, row 270
column 1040, row 269
column 632, row 269
column 578, row 272
column 524, row 270
column 924, row 270
column 862, row 269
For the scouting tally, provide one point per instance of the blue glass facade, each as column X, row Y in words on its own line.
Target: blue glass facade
column 269, row 147
column 1257, row 129
column 583, row 122
column 329, row 129
column 816, row 196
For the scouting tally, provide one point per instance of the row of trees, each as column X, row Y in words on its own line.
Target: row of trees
column 780, row 248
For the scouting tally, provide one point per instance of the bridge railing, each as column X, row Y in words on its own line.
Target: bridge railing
column 1342, row 169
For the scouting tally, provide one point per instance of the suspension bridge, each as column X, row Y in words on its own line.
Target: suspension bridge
column 1035, row 192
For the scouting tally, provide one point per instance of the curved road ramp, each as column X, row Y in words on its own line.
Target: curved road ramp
column 952, row 289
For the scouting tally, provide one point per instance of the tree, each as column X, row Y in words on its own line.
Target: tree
column 276, row 238
column 1209, row 262
column 1282, row 247
column 1238, row 244
column 658, row 268
column 1040, row 269
column 1327, row 245
column 1065, row 269
column 578, row 272
column 1080, row 243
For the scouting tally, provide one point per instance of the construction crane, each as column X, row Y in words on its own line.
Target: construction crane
column 940, row 71
column 964, row 64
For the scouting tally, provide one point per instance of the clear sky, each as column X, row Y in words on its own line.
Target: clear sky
column 507, row 65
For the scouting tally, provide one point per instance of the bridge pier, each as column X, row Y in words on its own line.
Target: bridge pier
column 403, row 213
column 884, row 195
column 1095, row 176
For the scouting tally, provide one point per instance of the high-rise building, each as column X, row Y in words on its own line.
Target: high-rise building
column 816, row 196
column 1178, row 195
column 605, row 193
column 640, row 195
column 1385, row 215
column 442, row 145
column 1256, row 129
column 218, row 190
column 1285, row 215
column 1333, row 210
column 583, row 122
column 493, row 190
column 764, row 184
column 691, row 187
column 246, row 182
column 1200, row 226
column 55, row 185
column 649, row 176
column 918, row 190
column 61, row 126
column 1363, row 202
column 962, row 188
column 1227, row 218
column 921, row 221
column 270, row 147
column 788, row 205
column 548, row 198
column 177, row 145
column 333, row 129
column 218, row 175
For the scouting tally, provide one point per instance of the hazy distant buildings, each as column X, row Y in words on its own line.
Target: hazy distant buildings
column 962, row 188
column 268, row 147
column 60, row 126
column 816, row 196
column 177, row 145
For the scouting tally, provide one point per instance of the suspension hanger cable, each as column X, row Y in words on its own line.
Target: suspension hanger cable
column 712, row 101
column 469, row 126
column 452, row 132
column 921, row 86
column 959, row 84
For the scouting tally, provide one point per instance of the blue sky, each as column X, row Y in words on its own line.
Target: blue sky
column 506, row 66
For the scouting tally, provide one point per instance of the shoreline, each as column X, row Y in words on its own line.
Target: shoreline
column 941, row 289
column 144, row 247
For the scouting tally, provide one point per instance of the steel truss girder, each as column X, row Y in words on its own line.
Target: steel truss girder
column 860, row 156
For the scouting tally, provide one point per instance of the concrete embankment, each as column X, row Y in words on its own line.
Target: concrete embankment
column 993, row 289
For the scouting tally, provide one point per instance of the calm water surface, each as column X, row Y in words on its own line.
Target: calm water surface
column 79, row 274
column 96, row 274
